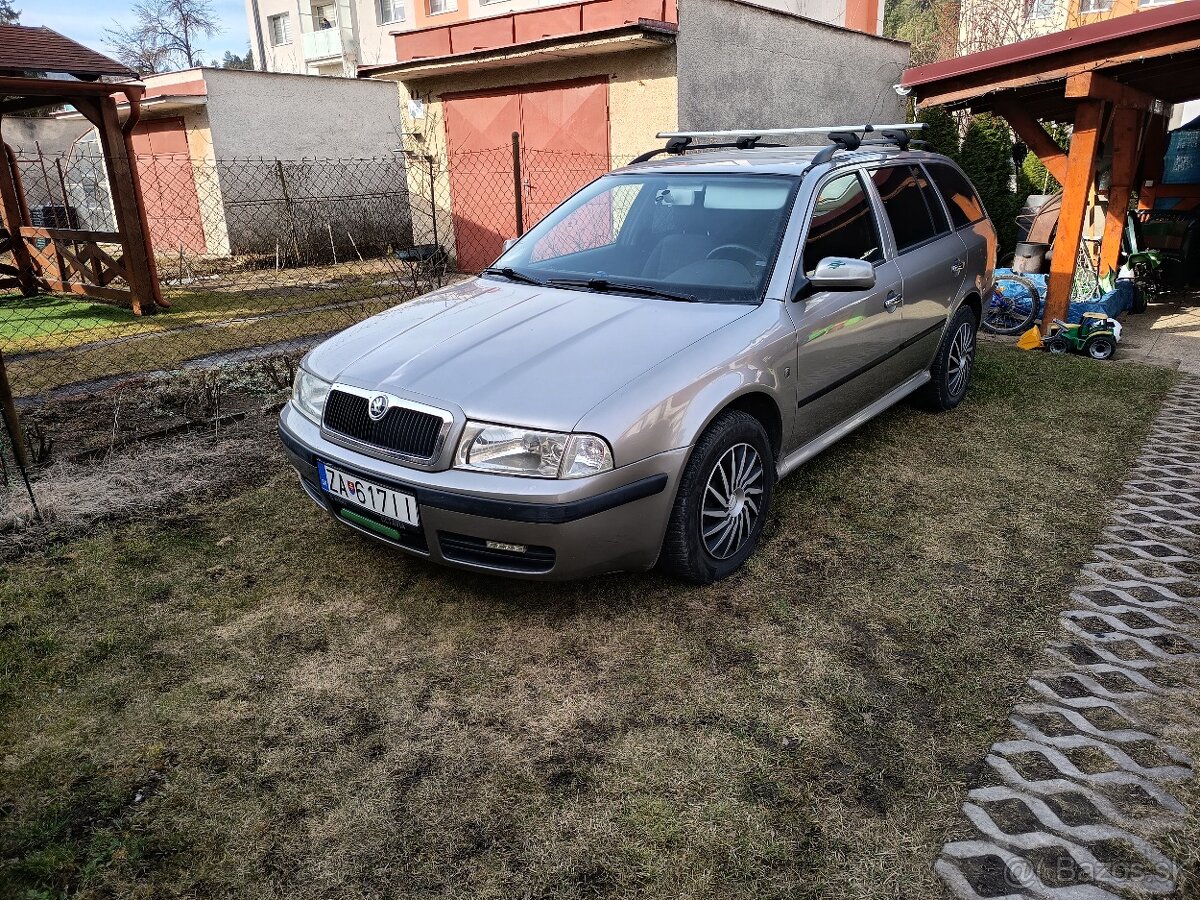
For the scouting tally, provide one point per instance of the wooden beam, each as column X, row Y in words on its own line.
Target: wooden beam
column 969, row 85
column 1094, row 86
column 1126, row 143
column 1080, row 168
column 1030, row 130
column 12, row 213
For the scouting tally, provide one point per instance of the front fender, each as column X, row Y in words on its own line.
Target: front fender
column 669, row 406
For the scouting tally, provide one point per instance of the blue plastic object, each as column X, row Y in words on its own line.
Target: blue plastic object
column 1115, row 302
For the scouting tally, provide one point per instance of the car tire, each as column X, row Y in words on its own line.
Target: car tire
column 949, row 382
column 701, row 544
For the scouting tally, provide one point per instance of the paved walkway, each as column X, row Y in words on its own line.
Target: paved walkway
column 1077, row 797
column 1167, row 332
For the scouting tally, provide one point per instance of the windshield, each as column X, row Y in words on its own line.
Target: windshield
column 710, row 238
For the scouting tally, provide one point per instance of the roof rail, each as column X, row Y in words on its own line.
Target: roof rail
column 844, row 137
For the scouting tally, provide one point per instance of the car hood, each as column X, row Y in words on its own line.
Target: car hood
column 514, row 353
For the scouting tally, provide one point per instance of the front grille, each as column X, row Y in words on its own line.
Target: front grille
column 463, row 548
column 401, row 430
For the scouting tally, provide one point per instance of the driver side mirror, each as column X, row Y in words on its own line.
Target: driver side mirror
column 508, row 244
column 842, row 273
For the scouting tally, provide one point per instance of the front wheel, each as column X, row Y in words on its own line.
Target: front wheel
column 722, row 502
column 952, row 367
column 1012, row 307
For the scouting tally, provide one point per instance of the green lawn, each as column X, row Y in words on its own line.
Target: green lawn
column 242, row 699
column 52, row 315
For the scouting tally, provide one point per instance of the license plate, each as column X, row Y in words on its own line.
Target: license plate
column 381, row 500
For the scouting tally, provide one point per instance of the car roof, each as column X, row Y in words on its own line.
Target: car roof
column 771, row 160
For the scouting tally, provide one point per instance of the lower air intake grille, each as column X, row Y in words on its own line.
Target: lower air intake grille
column 463, row 548
column 401, row 430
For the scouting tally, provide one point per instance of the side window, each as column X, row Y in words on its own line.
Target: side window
column 905, row 206
column 929, row 192
column 843, row 224
column 961, row 199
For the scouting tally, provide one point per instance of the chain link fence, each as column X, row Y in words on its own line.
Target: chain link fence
column 259, row 260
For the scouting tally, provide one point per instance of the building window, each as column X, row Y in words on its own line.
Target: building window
column 1040, row 9
column 1094, row 6
column 1152, row 3
column 442, row 6
column 388, row 11
column 280, row 27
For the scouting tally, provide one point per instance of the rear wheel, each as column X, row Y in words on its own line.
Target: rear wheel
column 722, row 501
column 1102, row 346
column 952, row 367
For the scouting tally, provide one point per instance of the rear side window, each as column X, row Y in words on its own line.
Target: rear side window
column 929, row 192
column 905, row 206
column 961, row 199
column 842, row 224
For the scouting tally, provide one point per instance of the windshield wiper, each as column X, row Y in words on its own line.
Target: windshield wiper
column 603, row 285
column 513, row 275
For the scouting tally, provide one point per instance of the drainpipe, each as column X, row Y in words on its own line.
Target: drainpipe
column 258, row 37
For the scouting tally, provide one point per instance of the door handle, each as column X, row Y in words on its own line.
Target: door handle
column 893, row 301
column 957, row 268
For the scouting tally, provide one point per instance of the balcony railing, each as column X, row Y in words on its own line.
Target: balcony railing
column 322, row 43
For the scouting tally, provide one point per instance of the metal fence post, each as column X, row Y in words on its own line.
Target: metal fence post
column 518, row 197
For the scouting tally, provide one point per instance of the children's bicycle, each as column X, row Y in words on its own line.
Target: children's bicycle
column 1013, row 307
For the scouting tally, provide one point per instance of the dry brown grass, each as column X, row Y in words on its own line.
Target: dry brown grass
column 243, row 699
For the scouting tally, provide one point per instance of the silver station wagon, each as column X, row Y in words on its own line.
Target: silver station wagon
column 624, row 387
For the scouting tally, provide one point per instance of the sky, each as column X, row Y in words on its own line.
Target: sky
column 86, row 20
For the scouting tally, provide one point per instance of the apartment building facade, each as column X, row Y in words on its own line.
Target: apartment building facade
column 984, row 24
column 336, row 37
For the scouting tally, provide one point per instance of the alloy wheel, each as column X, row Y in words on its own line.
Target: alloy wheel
column 962, row 357
column 732, row 501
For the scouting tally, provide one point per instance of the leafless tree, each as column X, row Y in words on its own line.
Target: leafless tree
column 985, row 24
column 164, row 34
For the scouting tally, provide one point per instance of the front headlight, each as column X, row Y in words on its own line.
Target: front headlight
column 525, row 451
column 309, row 393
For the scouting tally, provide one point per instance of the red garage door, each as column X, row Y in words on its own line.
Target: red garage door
column 564, row 141
column 169, row 186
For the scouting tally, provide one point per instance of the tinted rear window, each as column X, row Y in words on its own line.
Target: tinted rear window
column 905, row 206
column 961, row 199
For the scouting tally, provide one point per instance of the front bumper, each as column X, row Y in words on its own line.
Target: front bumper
column 571, row 529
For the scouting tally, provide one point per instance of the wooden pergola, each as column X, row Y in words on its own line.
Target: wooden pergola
column 1114, row 82
column 69, row 259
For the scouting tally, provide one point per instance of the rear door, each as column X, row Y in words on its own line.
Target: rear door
column 932, row 259
column 846, row 340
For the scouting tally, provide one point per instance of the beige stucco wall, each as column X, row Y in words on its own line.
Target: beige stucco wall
column 208, row 186
column 642, row 101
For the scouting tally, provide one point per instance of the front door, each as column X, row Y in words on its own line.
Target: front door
column 931, row 255
column 846, row 340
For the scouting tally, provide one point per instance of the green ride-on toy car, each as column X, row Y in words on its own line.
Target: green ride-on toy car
column 1096, row 335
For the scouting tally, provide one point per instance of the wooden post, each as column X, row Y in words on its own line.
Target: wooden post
column 1127, row 129
column 13, row 217
column 1081, row 164
column 518, row 190
column 1153, row 161
column 127, row 206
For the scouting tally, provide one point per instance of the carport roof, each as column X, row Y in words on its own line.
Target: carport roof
column 1155, row 52
column 28, row 49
